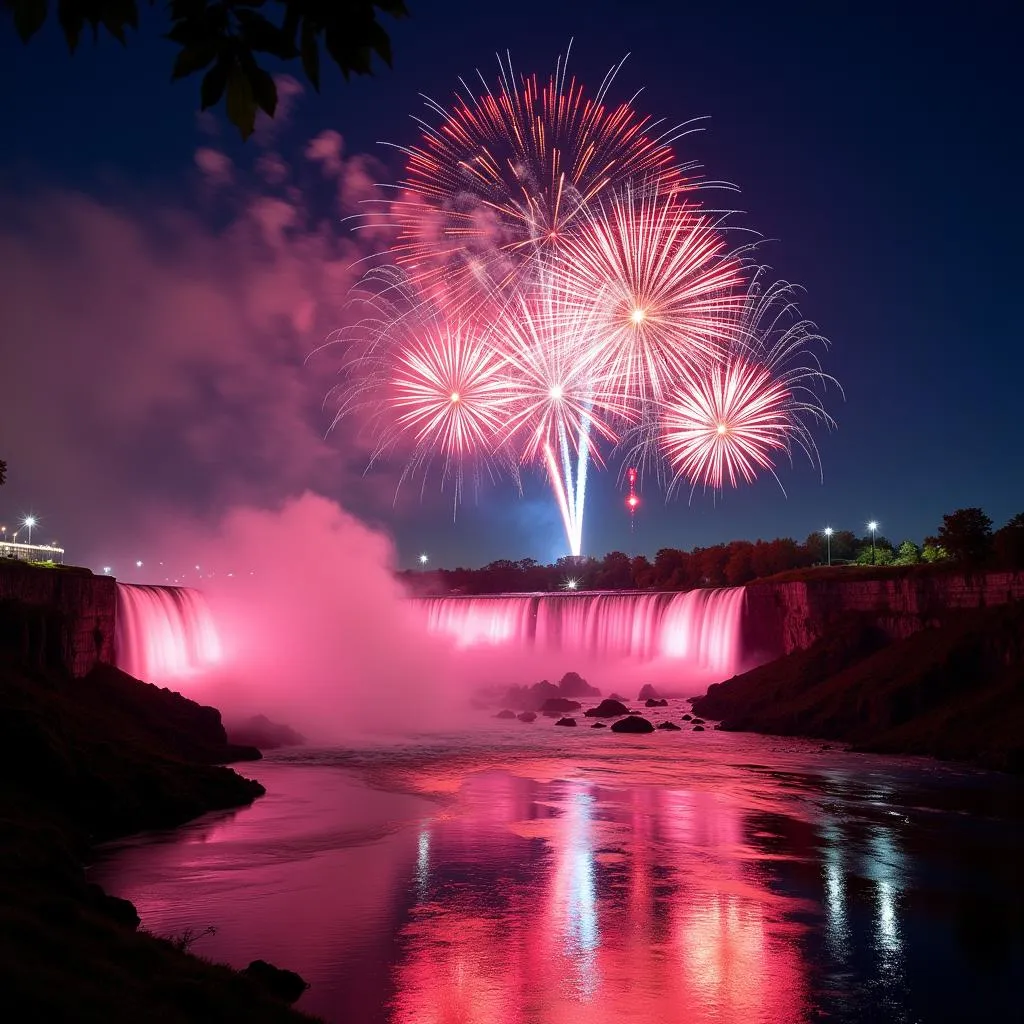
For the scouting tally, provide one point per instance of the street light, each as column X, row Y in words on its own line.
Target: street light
column 423, row 559
column 828, row 542
column 872, row 526
column 28, row 523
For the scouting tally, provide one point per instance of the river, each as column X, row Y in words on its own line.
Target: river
column 528, row 873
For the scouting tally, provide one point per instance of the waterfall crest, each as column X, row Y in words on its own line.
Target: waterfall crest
column 164, row 633
column 702, row 627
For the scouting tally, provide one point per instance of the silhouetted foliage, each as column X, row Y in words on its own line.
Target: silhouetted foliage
column 3, row 471
column 967, row 535
column 1008, row 543
column 223, row 38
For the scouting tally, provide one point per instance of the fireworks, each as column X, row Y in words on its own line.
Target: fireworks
column 555, row 288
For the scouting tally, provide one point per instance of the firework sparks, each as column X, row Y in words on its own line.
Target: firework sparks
column 732, row 418
column 502, row 176
column 555, row 288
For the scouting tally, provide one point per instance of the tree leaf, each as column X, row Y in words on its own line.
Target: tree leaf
column 214, row 81
column 29, row 16
column 262, row 36
column 241, row 103
column 194, row 58
column 311, row 55
column 72, row 18
column 263, row 89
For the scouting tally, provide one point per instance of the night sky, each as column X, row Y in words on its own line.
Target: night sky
column 164, row 283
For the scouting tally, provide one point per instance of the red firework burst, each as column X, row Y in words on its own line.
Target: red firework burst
column 726, row 423
column 505, row 173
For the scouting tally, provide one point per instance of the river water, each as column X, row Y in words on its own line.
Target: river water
column 529, row 873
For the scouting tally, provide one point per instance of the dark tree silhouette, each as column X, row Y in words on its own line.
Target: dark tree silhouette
column 3, row 471
column 1008, row 543
column 224, row 37
column 966, row 535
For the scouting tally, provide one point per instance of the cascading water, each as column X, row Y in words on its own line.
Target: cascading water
column 164, row 633
column 701, row 627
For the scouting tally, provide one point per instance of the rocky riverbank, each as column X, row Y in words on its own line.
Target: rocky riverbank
column 954, row 690
column 83, row 760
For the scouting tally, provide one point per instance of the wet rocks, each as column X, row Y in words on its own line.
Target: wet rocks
column 572, row 684
column 670, row 727
column 608, row 708
column 648, row 692
column 698, row 728
column 566, row 721
column 281, row 984
column 654, row 702
column 559, row 706
column 599, row 725
column 698, row 721
column 505, row 714
column 527, row 716
column 687, row 718
column 632, row 724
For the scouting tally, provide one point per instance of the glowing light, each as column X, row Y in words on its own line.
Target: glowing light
column 829, row 531
column 423, row 559
column 556, row 393
column 572, row 583
column 138, row 563
column 106, row 570
column 872, row 526
column 638, row 316
column 633, row 501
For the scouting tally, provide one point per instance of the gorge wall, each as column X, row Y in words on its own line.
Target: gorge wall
column 784, row 617
column 60, row 616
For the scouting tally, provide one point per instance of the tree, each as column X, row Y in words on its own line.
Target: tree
column 3, row 471
column 1008, row 542
column 908, row 554
column 933, row 551
column 223, row 38
column 967, row 535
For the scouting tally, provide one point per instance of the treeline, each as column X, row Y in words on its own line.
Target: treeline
column 964, row 538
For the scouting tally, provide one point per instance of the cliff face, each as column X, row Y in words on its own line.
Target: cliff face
column 784, row 617
column 67, row 616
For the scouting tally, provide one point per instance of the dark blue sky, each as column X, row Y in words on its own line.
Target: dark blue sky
column 879, row 152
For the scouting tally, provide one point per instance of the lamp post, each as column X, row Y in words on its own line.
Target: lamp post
column 423, row 559
column 29, row 522
column 828, row 542
column 872, row 526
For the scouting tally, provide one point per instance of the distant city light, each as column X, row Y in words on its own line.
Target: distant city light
column 424, row 559
column 138, row 564
column 106, row 570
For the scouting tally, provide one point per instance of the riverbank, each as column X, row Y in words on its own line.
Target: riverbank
column 81, row 761
column 953, row 691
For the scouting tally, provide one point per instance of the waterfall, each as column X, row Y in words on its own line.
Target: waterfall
column 164, row 633
column 702, row 627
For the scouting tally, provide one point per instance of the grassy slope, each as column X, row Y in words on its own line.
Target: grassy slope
column 94, row 758
column 955, row 691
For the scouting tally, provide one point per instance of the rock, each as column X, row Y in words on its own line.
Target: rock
column 698, row 721
column 281, row 984
column 559, row 706
column 608, row 708
column 632, row 724
column 259, row 731
column 527, row 716
column 505, row 714
column 671, row 726
column 698, row 728
column 648, row 692
column 113, row 908
column 566, row 721
column 653, row 702
column 687, row 718
column 572, row 684
column 617, row 696
column 599, row 725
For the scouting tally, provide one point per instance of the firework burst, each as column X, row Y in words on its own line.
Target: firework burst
column 503, row 174
column 733, row 417
column 660, row 283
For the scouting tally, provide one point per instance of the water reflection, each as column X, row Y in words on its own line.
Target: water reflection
column 559, row 889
